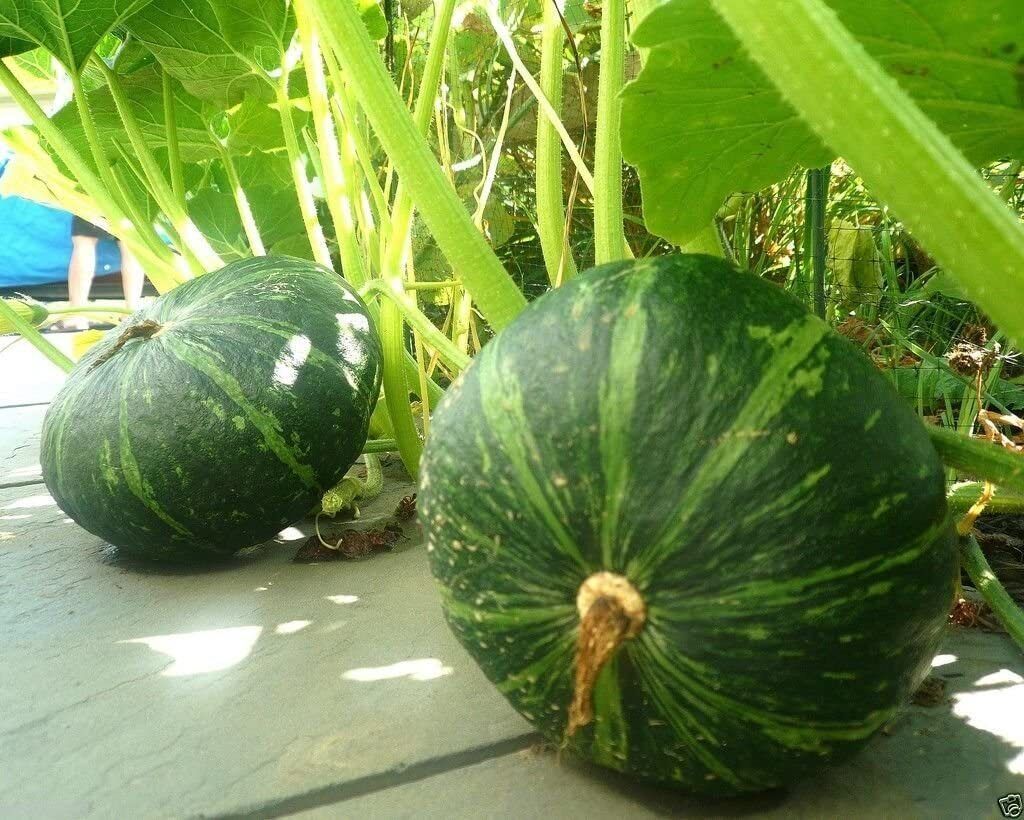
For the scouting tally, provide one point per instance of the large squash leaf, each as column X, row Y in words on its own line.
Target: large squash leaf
column 220, row 50
column 145, row 94
column 225, row 50
column 70, row 31
column 216, row 214
column 256, row 126
column 702, row 121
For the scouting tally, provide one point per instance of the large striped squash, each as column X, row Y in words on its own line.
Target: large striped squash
column 686, row 529
column 217, row 415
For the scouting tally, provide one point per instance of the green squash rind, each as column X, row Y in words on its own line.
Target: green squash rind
column 225, row 426
column 772, row 498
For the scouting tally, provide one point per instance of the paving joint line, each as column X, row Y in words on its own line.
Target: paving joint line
column 26, row 404
column 29, row 482
column 381, row 781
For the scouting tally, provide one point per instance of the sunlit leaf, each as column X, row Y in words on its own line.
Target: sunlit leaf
column 220, row 50
column 145, row 93
column 216, row 214
column 70, row 31
column 702, row 121
column 256, row 126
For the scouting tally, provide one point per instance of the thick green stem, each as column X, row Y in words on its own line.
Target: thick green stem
column 442, row 209
column 609, row 243
column 174, row 165
column 303, row 190
column 355, row 147
column 546, row 108
column 159, row 267
column 191, row 238
column 392, row 326
column 869, row 120
column 972, row 559
column 245, row 214
column 817, row 202
column 381, row 445
column 432, row 337
column 34, row 337
column 335, row 187
column 401, row 219
column 962, row 497
column 979, row 458
column 92, row 137
column 548, row 161
column 374, row 482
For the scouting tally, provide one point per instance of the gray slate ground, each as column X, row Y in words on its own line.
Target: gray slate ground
column 268, row 688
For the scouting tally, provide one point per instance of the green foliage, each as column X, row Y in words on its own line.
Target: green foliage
column 144, row 91
column 703, row 120
column 276, row 212
column 220, row 50
column 68, row 31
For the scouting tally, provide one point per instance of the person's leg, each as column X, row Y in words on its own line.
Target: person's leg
column 132, row 278
column 81, row 270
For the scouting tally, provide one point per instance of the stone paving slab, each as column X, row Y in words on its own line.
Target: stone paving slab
column 132, row 691
column 953, row 760
column 264, row 688
column 26, row 376
column 19, row 444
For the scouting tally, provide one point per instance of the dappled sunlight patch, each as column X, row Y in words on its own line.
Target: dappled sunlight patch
column 350, row 346
column 209, row 650
column 421, row 669
column 294, row 355
column 341, row 599
column 943, row 660
column 15, row 517
column 291, row 627
column 290, row 534
column 1002, row 677
column 996, row 709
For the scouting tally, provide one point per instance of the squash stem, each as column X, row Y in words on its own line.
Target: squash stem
column 446, row 350
column 342, row 30
column 979, row 459
column 336, row 189
column 962, row 497
column 1003, row 606
column 611, row 610
column 242, row 204
column 609, row 242
column 192, row 240
column 174, row 165
column 380, row 445
column 817, row 202
column 303, row 190
column 548, row 165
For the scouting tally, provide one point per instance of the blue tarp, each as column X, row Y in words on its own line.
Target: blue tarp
column 35, row 243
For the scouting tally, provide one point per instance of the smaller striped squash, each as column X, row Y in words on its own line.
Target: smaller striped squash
column 217, row 415
column 687, row 530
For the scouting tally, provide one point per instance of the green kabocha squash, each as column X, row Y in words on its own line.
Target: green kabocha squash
column 217, row 415
column 686, row 529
